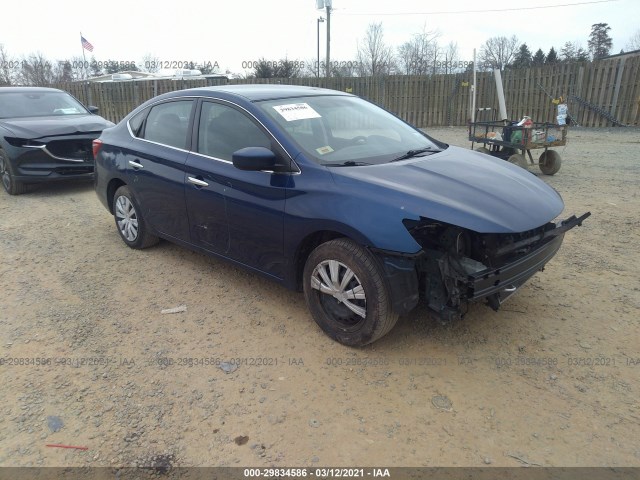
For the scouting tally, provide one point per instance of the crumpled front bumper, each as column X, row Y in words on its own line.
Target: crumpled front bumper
column 446, row 286
column 496, row 285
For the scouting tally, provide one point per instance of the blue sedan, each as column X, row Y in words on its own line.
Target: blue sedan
column 327, row 193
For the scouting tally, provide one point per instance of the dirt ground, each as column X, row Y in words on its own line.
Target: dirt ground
column 244, row 377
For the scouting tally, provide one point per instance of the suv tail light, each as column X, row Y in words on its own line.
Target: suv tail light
column 97, row 144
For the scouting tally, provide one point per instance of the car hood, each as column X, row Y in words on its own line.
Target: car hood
column 457, row 186
column 38, row 127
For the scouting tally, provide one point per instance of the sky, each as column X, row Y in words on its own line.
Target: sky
column 234, row 33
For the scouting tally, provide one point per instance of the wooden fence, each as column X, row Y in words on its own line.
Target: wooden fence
column 599, row 94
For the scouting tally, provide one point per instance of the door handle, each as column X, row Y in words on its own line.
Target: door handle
column 197, row 182
column 135, row 164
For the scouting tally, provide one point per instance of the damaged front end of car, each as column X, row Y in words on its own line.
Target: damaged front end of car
column 457, row 266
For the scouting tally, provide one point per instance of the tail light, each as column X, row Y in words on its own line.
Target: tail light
column 97, row 144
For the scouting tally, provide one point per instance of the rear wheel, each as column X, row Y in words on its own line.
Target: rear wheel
column 9, row 183
column 518, row 159
column 550, row 162
column 347, row 294
column 131, row 226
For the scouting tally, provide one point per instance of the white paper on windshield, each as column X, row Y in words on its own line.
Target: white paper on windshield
column 296, row 111
column 324, row 150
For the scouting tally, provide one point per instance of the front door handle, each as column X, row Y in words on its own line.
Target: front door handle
column 135, row 164
column 197, row 182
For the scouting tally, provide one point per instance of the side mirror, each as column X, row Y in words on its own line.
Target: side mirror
column 93, row 109
column 254, row 159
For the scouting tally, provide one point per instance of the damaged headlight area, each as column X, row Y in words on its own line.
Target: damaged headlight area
column 458, row 266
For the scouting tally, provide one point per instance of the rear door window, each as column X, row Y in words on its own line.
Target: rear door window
column 168, row 123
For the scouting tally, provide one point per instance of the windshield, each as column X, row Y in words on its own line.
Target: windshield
column 346, row 131
column 38, row 104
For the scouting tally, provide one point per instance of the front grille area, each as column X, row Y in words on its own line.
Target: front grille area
column 77, row 149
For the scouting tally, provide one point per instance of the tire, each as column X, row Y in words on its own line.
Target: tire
column 483, row 150
column 550, row 162
column 518, row 159
column 369, row 316
column 131, row 226
column 10, row 184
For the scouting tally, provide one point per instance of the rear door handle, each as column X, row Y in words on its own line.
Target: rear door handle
column 197, row 182
column 135, row 164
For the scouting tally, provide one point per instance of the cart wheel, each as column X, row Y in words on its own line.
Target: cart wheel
column 550, row 162
column 518, row 159
column 483, row 150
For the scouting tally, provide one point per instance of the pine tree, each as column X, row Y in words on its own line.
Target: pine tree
column 522, row 58
column 538, row 58
column 582, row 55
column 552, row 56
column 568, row 52
column 600, row 41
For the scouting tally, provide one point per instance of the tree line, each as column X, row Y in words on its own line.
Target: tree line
column 422, row 54
column 37, row 70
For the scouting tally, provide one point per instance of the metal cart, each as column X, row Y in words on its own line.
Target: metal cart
column 510, row 142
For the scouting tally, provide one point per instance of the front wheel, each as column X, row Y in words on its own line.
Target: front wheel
column 10, row 184
column 131, row 226
column 346, row 293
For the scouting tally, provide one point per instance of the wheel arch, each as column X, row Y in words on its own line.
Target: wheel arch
column 304, row 249
column 114, row 184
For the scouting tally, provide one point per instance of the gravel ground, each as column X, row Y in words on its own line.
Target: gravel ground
column 244, row 377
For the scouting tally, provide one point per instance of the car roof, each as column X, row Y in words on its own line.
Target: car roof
column 259, row 92
column 28, row 89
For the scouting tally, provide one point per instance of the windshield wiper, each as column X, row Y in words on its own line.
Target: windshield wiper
column 415, row 153
column 348, row 163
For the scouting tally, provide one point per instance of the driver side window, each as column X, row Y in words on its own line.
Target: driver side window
column 223, row 130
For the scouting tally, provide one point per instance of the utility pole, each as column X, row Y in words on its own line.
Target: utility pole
column 328, row 7
column 326, row 4
column 320, row 20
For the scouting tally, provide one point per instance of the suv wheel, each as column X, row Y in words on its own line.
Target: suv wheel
column 10, row 184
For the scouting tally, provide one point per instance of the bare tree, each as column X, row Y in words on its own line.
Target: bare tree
column 498, row 52
column 450, row 55
column 79, row 68
column 375, row 58
column 36, row 70
column 8, row 67
column 419, row 55
column 310, row 68
column 63, row 71
column 634, row 42
column 344, row 68
column 151, row 63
